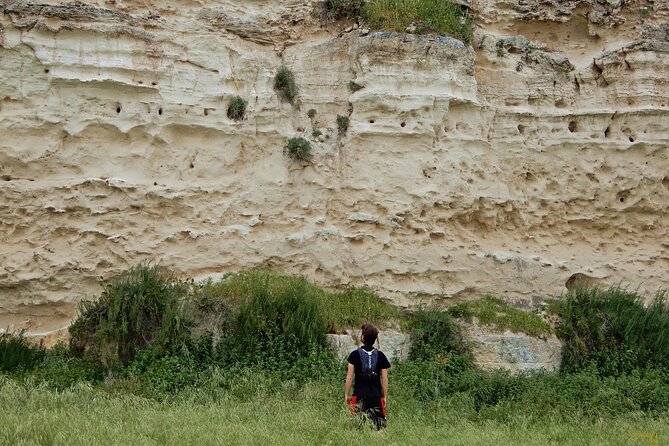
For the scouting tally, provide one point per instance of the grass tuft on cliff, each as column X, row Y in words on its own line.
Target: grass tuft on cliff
column 284, row 84
column 494, row 312
column 298, row 149
column 237, row 108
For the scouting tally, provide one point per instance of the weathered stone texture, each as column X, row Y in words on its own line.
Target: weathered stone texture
column 506, row 167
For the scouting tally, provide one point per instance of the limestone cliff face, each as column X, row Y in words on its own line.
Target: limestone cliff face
column 510, row 166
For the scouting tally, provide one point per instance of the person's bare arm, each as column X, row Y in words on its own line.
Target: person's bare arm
column 347, row 385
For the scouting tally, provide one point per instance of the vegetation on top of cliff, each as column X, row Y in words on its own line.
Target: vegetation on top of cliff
column 298, row 149
column 612, row 330
column 416, row 16
column 284, row 84
column 494, row 312
column 237, row 108
column 420, row 16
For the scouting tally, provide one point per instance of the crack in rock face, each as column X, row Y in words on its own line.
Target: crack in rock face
column 531, row 160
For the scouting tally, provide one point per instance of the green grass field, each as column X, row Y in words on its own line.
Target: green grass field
column 313, row 415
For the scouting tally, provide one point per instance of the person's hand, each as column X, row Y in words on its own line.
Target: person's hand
column 347, row 400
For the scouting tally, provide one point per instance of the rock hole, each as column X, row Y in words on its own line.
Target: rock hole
column 206, row 112
column 607, row 132
column 404, row 124
column 631, row 138
column 572, row 126
column 191, row 165
column 521, row 129
column 154, row 83
column 665, row 182
column 422, row 213
column 140, row 82
column 46, row 71
column 578, row 280
column 622, row 199
column 160, row 111
column 371, row 121
column 155, row 183
column 118, row 109
column 7, row 177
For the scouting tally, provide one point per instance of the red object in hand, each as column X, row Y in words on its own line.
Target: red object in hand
column 352, row 402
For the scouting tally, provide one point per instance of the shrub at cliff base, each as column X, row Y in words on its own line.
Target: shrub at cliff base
column 17, row 354
column 613, row 331
column 143, row 307
column 260, row 331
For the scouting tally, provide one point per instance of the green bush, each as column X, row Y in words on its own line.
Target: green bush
column 237, row 108
column 139, row 309
column 342, row 123
column 62, row 370
column 316, row 133
column 434, row 334
column 339, row 9
column 16, row 354
column 438, row 16
column 612, row 330
column 284, row 84
column 298, row 149
column 495, row 312
column 279, row 330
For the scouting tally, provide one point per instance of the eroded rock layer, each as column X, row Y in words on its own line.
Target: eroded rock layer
column 534, row 156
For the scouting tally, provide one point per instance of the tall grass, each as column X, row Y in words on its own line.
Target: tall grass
column 612, row 330
column 17, row 354
column 142, row 307
column 309, row 415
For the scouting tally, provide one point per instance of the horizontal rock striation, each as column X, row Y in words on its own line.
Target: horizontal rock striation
column 537, row 155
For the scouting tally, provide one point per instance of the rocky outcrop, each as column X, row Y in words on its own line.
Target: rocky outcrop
column 394, row 344
column 508, row 167
column 516, row 352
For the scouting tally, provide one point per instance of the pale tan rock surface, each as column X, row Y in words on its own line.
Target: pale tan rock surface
column 516, row 352
column 505, row 167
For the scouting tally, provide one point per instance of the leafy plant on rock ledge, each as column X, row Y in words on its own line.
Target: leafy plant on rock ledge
column 298, row 149
column 237, row 108
column 284, row 84
column 342, row 124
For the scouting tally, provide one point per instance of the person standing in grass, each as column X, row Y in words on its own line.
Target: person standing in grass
column 369, row 366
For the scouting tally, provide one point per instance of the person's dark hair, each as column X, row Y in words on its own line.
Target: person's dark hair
column 369, row 334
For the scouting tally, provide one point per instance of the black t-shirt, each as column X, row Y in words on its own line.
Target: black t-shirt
column 367, row 390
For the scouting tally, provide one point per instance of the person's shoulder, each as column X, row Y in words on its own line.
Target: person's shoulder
column 353, row 355
column 385, row 363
